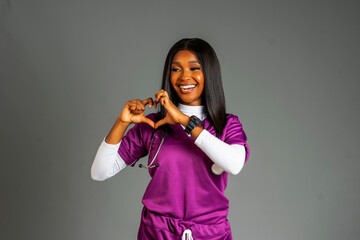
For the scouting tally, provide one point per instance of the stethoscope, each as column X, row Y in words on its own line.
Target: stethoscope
column 214, row 168
column 162, row 141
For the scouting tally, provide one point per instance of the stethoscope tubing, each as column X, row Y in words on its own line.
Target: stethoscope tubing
column 214, row 168
column 162, row 141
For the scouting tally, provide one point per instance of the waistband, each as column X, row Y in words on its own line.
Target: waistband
column 186, row 229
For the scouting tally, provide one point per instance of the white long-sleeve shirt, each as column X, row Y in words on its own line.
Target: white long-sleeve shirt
column 228, row 157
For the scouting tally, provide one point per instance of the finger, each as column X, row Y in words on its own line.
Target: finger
column 152, row 102
column 140, row 104
column 137, row 112
column 132, row 107
column 161, row 90
column 156, row 101
column 160, row 122
column 163, row 100
column 140, row 107
column 160, row 98
column 148, row 121
column 148, row 101
column 158, row 95
column 166, row 94
column 136, row 109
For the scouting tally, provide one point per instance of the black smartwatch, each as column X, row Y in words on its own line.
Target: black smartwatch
column 194, row 122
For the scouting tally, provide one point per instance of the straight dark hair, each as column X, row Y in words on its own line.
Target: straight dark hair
column 213, row 97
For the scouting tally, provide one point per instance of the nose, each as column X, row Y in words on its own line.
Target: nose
column 185, row 75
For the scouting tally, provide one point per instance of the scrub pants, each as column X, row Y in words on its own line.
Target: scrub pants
column 157, row 227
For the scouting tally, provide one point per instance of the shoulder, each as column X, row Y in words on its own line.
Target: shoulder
column 233, row 131
column 231, row 119
column 232, row 125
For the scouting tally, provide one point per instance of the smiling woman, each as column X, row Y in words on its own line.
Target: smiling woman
column 191, row 54
column 187, row 77
column 189, row 164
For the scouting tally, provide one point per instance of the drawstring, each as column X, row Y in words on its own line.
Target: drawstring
column 187, row 235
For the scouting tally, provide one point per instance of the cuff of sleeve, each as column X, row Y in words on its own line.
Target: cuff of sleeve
column 201, row 138
column 125, row 155
column 110, row 146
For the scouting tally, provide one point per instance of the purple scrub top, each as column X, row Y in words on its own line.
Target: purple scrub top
column 183, row 186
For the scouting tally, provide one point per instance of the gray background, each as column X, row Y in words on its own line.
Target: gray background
column 290, row 72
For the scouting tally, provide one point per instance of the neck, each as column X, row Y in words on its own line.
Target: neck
column 188, row 110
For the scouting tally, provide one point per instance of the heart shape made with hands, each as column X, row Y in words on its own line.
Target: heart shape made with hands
column 173, row 115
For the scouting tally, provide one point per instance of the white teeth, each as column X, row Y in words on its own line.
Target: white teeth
column 187, row 87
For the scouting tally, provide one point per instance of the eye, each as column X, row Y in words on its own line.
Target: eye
column 175, row 69
column 195, row 68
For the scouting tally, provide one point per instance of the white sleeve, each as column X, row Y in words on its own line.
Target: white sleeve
column 230, row 158
column 107, row 162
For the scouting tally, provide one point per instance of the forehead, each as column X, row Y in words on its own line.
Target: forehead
column 185, row 55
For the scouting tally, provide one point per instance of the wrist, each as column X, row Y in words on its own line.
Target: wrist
column 193, row 123
column 121, row 123
column 185, row 120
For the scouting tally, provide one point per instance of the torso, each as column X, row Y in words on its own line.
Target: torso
column 183, row 186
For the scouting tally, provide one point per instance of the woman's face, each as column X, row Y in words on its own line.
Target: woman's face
column 187, row 77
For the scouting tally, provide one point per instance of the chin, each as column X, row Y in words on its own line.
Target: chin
column 188, row 101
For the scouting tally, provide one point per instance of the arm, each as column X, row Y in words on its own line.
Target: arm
column 107, row 162
column 230, row 158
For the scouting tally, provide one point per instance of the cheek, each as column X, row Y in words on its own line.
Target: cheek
column 201, row 88
column 200, row 78
column 172, row 80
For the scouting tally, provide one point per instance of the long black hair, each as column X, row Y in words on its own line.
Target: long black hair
column 213, row 97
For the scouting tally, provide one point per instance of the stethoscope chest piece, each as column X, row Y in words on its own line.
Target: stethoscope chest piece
column 216, row 169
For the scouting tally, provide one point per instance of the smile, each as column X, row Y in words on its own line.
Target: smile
column 187, row 88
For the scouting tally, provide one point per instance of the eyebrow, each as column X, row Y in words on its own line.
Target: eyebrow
column 189, row 62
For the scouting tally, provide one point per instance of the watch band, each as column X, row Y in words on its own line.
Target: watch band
column 193, row 122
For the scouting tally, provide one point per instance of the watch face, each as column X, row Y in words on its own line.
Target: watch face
column 197, row 121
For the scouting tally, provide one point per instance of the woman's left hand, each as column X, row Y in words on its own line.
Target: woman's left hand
column 173, row 115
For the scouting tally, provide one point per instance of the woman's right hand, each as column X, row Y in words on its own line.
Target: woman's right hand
column 133, row 112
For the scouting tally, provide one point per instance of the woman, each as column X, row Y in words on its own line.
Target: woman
column 189, row 161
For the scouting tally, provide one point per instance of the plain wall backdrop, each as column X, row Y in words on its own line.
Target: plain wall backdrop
column 290, row 72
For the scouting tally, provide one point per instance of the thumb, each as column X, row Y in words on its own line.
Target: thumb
column 160, row 122
column 148, row 121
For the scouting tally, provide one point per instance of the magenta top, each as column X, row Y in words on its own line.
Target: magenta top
column 183, row 186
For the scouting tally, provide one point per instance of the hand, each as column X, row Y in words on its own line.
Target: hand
column 173, row 115
column 133, row 112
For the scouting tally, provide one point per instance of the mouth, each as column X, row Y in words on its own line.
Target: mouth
column 187, row 88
